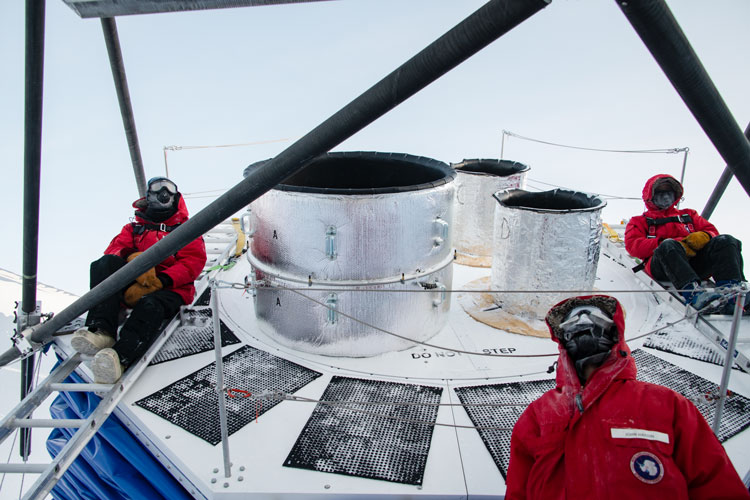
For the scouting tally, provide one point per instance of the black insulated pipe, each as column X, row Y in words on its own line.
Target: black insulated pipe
column 33, row 105
column 488, row 23
column 721, row 186
column 112, row 41
column 32, row 148
column 657, row 27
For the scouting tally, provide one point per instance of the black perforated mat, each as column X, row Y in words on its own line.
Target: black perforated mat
column 703, row 393
column 685, row 344
column 192, row 402
column 485, row 416
column 377, row 441
column 205, row 298
column 195, row 336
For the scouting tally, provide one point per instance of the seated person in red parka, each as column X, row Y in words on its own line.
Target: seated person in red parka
column 155, row 296
column 602, row 434
column 680, row 246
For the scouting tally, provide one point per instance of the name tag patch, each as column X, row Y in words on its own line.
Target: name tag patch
column 640, row 434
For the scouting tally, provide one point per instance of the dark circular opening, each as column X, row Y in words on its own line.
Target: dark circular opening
column 501, row 168
column 366, row 173
column 554, row 200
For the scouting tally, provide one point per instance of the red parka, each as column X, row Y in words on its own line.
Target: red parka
column 637, row 241
column 183, row 267
column 616, row 438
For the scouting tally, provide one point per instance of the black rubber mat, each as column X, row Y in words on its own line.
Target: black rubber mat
column 494, row 422
column 703, row 393
column 195, row 336
column 685, row 344
column 192, row 402
column 378, row 441
column 204, row 299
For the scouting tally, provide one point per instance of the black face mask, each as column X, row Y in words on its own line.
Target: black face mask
column 663, row 199
column 588, row 336
column 161, row 205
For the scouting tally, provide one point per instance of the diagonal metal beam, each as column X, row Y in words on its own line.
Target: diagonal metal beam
column 657, row 27
column 488, row 23
column 112, row 41
column 721, row 186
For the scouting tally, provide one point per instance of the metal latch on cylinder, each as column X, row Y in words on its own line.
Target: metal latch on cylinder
column 331, row 242
column 442, row 228
column 438, row 287
column 246, row 223
column 331, row 302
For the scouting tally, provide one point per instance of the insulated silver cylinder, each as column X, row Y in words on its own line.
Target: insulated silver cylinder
column 548, row 240
column 477, row 181
column 362, row 226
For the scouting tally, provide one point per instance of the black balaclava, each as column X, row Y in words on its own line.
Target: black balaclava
column 665, row 191
column 663, row 199
column 161, row 199
column 588, row 334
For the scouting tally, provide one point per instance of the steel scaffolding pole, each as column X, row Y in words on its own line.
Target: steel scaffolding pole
column 657, row 27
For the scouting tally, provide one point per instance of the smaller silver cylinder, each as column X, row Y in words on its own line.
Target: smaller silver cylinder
column 477, row 181
column 548, row 240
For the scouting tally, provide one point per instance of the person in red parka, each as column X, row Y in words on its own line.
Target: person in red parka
column 680, row 246
column 602, row 434
column 155, row 296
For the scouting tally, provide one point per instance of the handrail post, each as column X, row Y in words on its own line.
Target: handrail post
column 739, row 305
column 220, row 389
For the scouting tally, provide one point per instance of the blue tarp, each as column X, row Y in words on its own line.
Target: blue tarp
column 113, row 465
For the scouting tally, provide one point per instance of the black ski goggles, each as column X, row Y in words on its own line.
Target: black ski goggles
column 158, row 183
column 583, row 318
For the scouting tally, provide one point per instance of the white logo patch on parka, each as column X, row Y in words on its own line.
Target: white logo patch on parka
column 647, row 467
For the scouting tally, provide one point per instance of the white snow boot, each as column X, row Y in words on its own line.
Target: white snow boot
column 106, row 366
column 89, row 343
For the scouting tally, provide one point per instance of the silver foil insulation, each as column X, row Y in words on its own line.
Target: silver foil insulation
column 544, row 241
column 336, row 250
column 477, row 181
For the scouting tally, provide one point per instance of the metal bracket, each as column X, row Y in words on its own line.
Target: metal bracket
column 331, row 242
column 331, row 302
column 442, row 227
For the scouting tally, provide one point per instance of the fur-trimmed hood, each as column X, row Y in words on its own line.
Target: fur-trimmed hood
column 619, row 364
column 657, row 181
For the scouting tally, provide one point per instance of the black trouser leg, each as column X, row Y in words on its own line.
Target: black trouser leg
column 720, row 258
column 104, row 315
column 142, row 327
column 670, row 263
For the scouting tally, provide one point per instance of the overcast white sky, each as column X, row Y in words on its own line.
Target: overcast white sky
column 576, row 73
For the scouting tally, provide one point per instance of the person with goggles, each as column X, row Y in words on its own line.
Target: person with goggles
column 154, row 296
column 600, row 433
column 677, row 245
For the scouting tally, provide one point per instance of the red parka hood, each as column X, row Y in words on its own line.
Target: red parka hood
column 619, row 365
column 180, row 216
column 648, row 191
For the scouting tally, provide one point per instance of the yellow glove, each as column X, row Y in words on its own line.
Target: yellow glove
column 147, row 279
column 134, row 293
column 697, row 240
column 689, row 251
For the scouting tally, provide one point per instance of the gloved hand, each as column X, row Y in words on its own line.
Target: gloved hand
column 689, row 251
column 697, row 240
column 147, row 279
column 144, row 284
column 134, row 293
